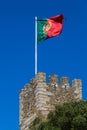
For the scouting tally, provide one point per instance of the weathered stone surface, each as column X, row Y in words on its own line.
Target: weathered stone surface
column 39, row 98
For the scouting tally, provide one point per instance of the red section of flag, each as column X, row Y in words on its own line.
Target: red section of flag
column 54, row 26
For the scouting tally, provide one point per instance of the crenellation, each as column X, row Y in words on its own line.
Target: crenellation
column 53, row 79
column 64, row 81
column 53, row 83
column 39, row 98
column 32, row 81
column 77, row 88
column 41, row 77
column 76, row 83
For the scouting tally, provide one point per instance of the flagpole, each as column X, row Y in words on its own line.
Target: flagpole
column 35, row 45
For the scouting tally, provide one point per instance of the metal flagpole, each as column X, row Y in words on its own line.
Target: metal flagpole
column 35, row 45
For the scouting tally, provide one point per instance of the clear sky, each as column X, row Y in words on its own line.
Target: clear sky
column 65, row 55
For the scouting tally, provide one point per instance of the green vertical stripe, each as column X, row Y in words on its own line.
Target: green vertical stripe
column 41, row 35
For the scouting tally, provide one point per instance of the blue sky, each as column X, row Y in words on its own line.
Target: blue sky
column 65, row 55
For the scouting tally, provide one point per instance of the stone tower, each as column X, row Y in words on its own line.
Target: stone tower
column 38, row 98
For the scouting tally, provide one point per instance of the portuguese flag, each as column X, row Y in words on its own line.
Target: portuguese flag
column 51, row 27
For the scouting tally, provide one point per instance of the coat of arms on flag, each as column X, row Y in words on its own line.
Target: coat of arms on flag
column 47, row 28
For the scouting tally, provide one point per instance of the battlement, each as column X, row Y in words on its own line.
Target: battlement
column 76, row 83
column 53, row 79
column 41, row 77
column 38, row 98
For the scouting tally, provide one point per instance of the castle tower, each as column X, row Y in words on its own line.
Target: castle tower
column 77, row 88
column 38, row 98
column 42, row 95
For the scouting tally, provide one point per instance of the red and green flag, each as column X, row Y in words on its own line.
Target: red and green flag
column 51, row 27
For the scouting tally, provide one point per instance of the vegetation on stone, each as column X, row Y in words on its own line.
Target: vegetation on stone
column 69, row 116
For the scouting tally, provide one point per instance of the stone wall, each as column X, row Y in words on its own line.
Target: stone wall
column 39, row 97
